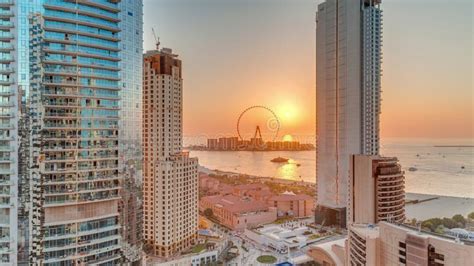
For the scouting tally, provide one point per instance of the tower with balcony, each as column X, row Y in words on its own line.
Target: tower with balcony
column 377, row 190
column 8, row 135
column 74, row 130
column 348, row 67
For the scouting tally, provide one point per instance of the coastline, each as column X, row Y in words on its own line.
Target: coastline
column 441, row 206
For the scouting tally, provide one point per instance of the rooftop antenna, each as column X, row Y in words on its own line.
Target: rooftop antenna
column 157, row 39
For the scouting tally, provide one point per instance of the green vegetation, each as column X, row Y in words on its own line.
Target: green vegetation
column 198, row 248
column 471, row 216
column 283, row 220
column 314, row 236
column 274, row 185
column 208, row 213
column 438, row 225
column 267, row 259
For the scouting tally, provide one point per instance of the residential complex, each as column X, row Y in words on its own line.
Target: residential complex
column 290, row 204
column 170, row 177
column 377, row 190
column 74, row 97
column 9, row 115
column 238, row 213
column 348, row 51
column 229, row 202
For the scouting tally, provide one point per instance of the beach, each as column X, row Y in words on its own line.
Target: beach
column 441, row 206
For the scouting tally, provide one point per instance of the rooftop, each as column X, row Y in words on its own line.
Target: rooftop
column 236, row 204
column 290, row 197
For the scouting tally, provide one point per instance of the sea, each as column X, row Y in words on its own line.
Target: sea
column 442, row 167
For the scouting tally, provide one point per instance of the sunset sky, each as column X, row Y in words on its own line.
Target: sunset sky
column 239, row 53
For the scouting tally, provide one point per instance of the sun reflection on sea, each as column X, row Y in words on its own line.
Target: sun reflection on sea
column 289, row 170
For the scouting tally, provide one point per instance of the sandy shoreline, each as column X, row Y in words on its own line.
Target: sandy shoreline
column 443, row 206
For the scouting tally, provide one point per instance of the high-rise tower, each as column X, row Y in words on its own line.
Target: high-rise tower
column 74, row 94
column 9, row 107
column 130, row 126
column 170, row 188
column 348, row 52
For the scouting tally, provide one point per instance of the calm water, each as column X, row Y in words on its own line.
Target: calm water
column 439, row 168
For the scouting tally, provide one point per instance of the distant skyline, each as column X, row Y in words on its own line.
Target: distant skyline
column 262, row 52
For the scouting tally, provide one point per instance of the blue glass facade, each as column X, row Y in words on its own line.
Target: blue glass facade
column 8, row 131
column 130, row 124
column 75, row 94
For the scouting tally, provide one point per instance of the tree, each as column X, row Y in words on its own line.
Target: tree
column 471, row 216
column 440, row 229
column 432, row 223
column 427, row 225
column 458, row 218
column 208, row 213
column 449, row 223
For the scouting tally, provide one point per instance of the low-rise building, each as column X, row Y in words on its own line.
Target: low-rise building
column 330, row 253
column 392, row 244
column 289, row 204
column 283, row 239
column 403, row 245
column 238, row 213
column 247, row 189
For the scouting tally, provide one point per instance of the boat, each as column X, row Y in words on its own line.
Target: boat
column 462, row 167
column 298, row 164
column 279, row 160
column 412, row 169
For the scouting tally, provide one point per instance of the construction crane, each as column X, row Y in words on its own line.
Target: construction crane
column 157, row 39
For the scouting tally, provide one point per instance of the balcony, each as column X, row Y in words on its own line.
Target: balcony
column 7, row 115
column 75, row 84
column 5, row 25
column 6, row 125
column 7, row 70
column 6, row 14
column 76, row 234
column 5, row 160
column 6, row 36
column 7, row 81
column 7, row 47
column 6, row 3
column 6, row 59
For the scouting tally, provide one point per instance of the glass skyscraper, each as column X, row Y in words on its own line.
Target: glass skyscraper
column 348, row 70
column 8, row 135
column 130, row 124
column 74, row 112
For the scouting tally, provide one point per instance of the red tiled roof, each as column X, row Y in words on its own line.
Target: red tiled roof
column 288, row 197
column 235, row 204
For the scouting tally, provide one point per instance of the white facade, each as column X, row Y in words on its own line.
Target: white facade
column 170, row 177
column 347, row 91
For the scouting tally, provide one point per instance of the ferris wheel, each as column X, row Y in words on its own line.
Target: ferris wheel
column 273, row 124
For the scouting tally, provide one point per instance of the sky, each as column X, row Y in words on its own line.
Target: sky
column 242, row 53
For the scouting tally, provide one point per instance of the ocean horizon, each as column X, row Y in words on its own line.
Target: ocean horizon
column 442, row 167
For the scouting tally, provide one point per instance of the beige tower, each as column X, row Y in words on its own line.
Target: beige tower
column 170, row 180
column 377, row 190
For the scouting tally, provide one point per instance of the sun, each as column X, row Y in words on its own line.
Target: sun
column 287, row 138
column 288, row 112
